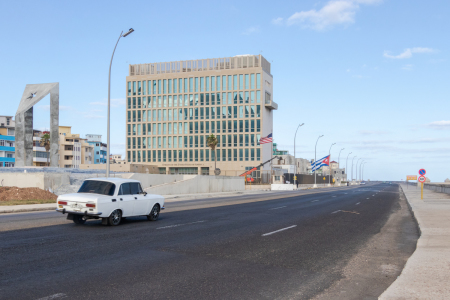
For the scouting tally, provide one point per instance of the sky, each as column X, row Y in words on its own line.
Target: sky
column 371, row 76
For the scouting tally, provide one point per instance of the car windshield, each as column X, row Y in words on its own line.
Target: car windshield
column 97, row 187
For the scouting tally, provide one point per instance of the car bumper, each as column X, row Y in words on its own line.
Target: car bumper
column 63, row 211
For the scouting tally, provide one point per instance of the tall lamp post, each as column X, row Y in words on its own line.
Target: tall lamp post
column 339, row 165
column 346, row 167
column 363, row 170
column 295, row 162
column 315, row 159
column 356, row 169
column 329, row 167
column 109, row 102
column 360, row 170
column 352, row 165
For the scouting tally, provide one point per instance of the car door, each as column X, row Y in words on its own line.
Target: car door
column 140, row 203
column 126, row 200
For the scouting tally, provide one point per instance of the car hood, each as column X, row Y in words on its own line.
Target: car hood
column 80, row 197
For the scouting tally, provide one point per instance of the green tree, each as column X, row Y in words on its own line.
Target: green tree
column 211, row 141
column 45, row 142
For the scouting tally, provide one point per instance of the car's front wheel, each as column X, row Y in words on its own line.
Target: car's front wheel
column 77, row 219
column 154, row 214
column 115, row 218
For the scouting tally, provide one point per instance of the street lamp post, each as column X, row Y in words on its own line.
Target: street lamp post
column 363, row 170
column 329, row 167
column 356, row 169
column 295, row 162
column 339, row 165
column 346, row 167
column 315, row 159
column 109, row 103
column 360, row 168
column 352, row 165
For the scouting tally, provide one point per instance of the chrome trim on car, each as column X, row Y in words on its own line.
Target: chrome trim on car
column 63, row 211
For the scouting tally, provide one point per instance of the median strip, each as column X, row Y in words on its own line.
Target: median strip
column 279, row 230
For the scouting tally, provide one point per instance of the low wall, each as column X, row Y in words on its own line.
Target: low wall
column 438, row 187
column 199, row 184
column 282, row 187
column 150, row 180
column 41, row 180
column 257, row 186
column 134, row 168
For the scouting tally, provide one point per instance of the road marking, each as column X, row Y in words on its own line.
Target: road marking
column 335, row 211
column 266, row 234
column 172, row 226
column 373, row 195
column 368, row 198
column 358, row 203
column 352, row 212
column 334, row 196
column 277, row 207
column 314, row 200
column 55, row 296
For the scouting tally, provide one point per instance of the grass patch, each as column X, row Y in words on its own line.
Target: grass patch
column 25, row 202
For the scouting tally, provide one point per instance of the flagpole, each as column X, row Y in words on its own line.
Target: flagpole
column 315, row 159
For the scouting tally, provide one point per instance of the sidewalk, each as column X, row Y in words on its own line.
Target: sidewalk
column 168, row 198
column 427, row 272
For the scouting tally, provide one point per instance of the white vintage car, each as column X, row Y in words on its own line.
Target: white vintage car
column 110, row 199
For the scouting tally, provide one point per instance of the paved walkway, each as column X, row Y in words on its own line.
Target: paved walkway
column 427, row 272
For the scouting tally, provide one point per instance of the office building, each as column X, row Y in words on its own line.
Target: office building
column 7, row 141
column 172, row 108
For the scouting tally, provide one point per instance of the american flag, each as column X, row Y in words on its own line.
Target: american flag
column 265, row 140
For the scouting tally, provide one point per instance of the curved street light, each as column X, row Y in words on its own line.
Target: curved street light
column 352, row 165
column 356, row 169
column 329, row 167
column 295, row 162
column 315, row 159
column 109, row 103
column 346, row 167
column 363, row 170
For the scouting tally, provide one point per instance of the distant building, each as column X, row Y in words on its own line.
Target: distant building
column 338, row 173
column 278, row 152
column 73, row 150
column 39, row 153
column 7, row 150
column 100, row 149
column 117, row 159
column 7, row 125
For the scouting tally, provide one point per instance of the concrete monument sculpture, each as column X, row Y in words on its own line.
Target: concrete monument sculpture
column 24, row 123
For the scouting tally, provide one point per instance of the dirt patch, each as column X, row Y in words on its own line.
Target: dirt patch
column 17, row 195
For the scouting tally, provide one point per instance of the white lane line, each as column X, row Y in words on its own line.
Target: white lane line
column 266, row 234
column 335, row 211
column 277, row 207
column 373, row 195
column 368, row 198
column 172, row 226
column 358, row 203
column 314, row 200
column 55, row 296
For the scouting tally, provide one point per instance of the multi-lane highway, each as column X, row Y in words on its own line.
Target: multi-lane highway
column 337, row 243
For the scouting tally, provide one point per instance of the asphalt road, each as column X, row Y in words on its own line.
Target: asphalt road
column 291, row 245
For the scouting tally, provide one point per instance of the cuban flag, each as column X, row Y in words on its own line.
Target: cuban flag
column 324, row 161
column 265, row 140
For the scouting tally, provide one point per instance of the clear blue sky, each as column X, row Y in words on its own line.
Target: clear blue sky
column 371, row 75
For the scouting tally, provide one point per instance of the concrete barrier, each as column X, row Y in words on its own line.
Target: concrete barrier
column 150, row 180
column 40, row 180
column 438, row 187
column 199, row 184
column 282, row 187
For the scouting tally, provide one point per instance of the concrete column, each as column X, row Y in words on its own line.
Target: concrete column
column 28, row 137
column 54, row 126
column 20, row 141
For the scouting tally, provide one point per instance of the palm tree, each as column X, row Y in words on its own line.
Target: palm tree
column 211, row 141
column 45, row 141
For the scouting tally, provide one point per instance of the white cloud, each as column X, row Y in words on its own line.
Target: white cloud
column 277, row 21
column 335, row 12
column 408, row 67
column 114, row 102
column 439, row 124
column 408, row 53
column 250, row 30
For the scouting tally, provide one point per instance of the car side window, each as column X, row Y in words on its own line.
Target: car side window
column 140, row 188
column 125, row 189
column 134, row 188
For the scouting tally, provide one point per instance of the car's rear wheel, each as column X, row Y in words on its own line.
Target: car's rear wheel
column 77, row 219
column 154, row 214
column 115, row 218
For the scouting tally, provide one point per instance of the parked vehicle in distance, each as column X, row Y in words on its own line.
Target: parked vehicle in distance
column 110, row 199
column 362, row 182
